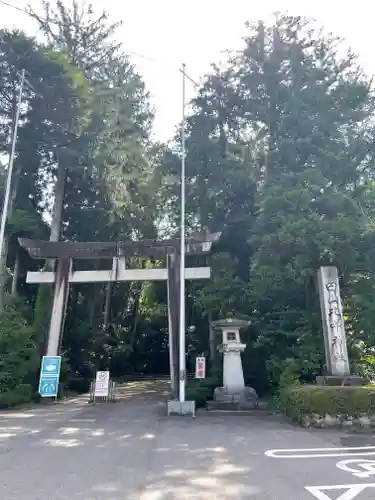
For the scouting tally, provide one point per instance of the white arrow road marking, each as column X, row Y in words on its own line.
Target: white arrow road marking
column 351, row 491
column 367, row 466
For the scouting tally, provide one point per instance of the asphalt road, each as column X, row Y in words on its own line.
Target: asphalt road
column 131, row 451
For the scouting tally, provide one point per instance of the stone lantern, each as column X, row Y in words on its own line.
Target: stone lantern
column 233, row 395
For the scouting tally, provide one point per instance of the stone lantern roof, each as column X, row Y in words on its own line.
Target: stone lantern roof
column 230, row 323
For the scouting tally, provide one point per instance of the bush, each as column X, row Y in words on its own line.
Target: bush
column 302, row 401
column 17, row 396
column 201, row 390
column 18, row 359
column 288, row 377
column 365, row 367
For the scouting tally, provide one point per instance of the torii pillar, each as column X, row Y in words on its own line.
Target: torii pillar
column 59, row 306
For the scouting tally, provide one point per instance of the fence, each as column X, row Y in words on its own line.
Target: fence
column 110, row 398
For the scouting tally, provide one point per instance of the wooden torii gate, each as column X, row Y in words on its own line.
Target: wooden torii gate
column 64, row 253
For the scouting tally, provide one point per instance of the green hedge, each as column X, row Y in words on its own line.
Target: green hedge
column 304, row 400
column 19, row 362
column 201, row 390
column 18, row 395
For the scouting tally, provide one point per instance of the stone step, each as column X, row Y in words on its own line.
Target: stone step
column 260, row 413
column 333, row 380
column 234, row 406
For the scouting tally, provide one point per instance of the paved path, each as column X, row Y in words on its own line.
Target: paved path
column 132, row 451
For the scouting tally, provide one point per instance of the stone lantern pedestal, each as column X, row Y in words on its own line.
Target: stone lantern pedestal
column 233, row 395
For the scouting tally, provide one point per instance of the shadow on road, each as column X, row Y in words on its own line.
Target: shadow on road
column 131, row 451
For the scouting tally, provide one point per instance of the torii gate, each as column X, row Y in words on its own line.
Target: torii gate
column 66, row 252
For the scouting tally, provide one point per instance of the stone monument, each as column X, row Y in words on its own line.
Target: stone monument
column 233, row 395
column 336, row 352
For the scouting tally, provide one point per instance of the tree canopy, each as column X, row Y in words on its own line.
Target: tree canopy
column 280, row 160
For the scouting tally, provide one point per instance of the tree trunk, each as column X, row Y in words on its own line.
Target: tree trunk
column 8, row 209
column 96, row 301
column 135, row 311
column 212, row 341
column 57, row 209
column 74, row 295
column 107, row 306
column 4, row 256
column 4, row 250
column 3, row 270
column 16, row 273
column 92, row 307
column 58, row 203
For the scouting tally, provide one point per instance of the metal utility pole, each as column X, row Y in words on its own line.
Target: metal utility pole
column 182, row 358
column 4, row 213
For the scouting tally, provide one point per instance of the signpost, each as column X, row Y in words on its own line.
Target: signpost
column 200, row 367
column 49, row 376
column 102, row 384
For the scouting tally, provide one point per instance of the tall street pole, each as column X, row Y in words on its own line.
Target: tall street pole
column 4, row 213
column 182, row 359
column 11, row 163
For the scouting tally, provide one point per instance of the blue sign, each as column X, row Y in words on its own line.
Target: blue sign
column 49, row 376
column 48, row 387
column 51, row 365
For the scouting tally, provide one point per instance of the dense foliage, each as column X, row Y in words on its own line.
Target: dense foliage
column 280, row 159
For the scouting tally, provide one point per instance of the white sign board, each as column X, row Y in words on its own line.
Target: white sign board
column 102, row 384
column 200, row 367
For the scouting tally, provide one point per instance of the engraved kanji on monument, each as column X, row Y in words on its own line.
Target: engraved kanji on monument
column 336, row 351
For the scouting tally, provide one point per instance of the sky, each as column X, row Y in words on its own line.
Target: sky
column 162, row 34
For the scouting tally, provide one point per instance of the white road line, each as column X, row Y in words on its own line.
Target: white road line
column 321, row 452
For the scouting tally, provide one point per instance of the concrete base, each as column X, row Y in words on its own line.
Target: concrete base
column 350, row 380
column 230, row 406
column 226, row 399
column 177, row 408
